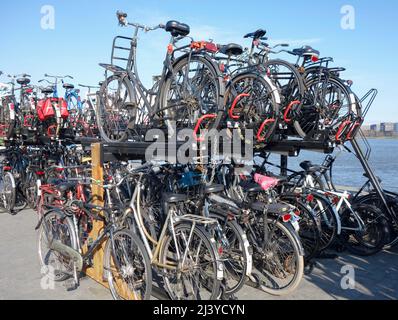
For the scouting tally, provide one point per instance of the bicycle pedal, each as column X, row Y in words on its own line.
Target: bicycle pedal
column 70, row 285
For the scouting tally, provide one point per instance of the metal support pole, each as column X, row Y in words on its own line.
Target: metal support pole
column 373, row 179
column 284, row 161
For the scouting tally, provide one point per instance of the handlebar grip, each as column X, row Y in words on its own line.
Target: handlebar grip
column 121, row 16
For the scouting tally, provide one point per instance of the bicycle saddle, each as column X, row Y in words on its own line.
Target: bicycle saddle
column 23, row 81
column 250, row 187
column 64, row 187
column 231, row 49
column 174, row 198
column 256, row 35
column 47, row 90
column 214, row 188
column 68, row 86
column 309, row 167
column 177, row 28
column 305, row 51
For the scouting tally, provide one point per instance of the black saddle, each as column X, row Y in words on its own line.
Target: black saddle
column 23, row 81
column 257, row 35
column 174, row 198
column 68, row 86
column 64, row 187
column 47, row 90
column 250, row 187
column 231, row 49
column 309, row 167
column 214, row 188
column 306, row 51
column 177, row 28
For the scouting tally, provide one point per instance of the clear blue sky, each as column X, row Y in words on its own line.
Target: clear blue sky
column 85, row 29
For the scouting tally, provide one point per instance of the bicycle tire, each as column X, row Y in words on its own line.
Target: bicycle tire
column 258, row 263
column 240, row 255
column 289, row 93
column 392, row 200
column 69, row 238
column 9, row 192
column 374, row 221
column 310, row 229
column 248, row 118
column 308, row 114
column 213, row 282
column 330, row 221
column 101, row 113
column 216, row 107
column 6, row 119
column 131, row 268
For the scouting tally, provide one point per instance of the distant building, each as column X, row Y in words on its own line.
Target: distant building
column 387, row 127
column 384, row 129
column 375, row 127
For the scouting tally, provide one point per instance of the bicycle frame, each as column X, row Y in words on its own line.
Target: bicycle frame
column 342, row 203
column 169, row 223
column 132, row 74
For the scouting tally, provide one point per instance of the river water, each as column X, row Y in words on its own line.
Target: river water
column 347, row 168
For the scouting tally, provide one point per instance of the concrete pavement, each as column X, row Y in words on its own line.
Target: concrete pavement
column 375, row 277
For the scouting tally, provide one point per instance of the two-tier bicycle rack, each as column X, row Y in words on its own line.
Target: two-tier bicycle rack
column 103, row 152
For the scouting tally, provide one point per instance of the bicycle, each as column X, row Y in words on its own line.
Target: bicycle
column 365, row 195
column 363, row 229
column 9, row 106
column 61, row 234
column 7, row 187
column 253, row 98
column 183, row 252
column 272, row 229
column 87, row 124
column 189, row 92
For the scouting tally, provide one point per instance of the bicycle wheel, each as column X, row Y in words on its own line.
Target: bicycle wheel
column 291, row 85
column 310, row 229
column 7, row 118
column 235, row 255
column 8, row 192
column 20, row 201
column 261, row 105
column 87, row 125
column 328, row 219
column 31, row 189
column 113, row 115
column 327, row 104
column 127, row 267
column 392, row 200
column 278, row 261
column 194, row 89
column 197, row 277
column 372, row 239
column 287, row 78
column 56, row 226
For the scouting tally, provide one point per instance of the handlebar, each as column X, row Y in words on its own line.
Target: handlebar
column 22, row 75
column 88, row 87
column 58, row 77
column 122, row 17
